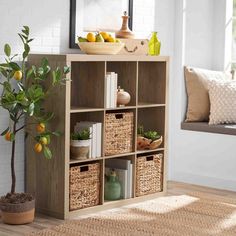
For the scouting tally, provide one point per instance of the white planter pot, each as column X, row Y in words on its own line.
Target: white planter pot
column 79, row 149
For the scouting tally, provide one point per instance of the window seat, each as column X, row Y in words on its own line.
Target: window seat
column 229, row 129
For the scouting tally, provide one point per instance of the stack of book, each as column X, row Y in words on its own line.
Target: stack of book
column 111, row 89
column 124, row 170
column 95, row 128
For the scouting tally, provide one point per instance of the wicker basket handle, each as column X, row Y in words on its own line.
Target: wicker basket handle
column 149, row 158
column 119, row 116
column 84, row 168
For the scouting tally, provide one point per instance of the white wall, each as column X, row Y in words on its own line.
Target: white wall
column 199, row 158
column 49, row 24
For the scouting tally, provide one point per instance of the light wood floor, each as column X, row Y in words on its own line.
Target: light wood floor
column 42, row 222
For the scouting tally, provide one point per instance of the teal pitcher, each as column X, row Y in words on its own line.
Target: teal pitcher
column 112, row 187
column 154, row 45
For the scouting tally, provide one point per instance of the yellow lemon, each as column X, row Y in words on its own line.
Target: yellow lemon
column 91, row 37
column 38, row 147
column 111, row 39
column 40, row 127
column 44, row 140
column 105, row 35
column 17, row 75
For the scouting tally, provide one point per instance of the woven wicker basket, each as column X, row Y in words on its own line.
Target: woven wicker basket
column 149, row 174
column 118, row 133
column 84, row 186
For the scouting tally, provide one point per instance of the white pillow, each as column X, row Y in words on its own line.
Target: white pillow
column 222, row 96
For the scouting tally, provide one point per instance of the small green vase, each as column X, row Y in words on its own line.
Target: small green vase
column 154, row 45
column 112, row 187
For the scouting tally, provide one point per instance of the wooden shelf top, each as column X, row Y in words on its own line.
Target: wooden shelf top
column 85, row 57
column 146, row 104
column 85, row 109
column 149, row 151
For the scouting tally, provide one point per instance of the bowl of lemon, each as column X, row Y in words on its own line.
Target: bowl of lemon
column 101, row 43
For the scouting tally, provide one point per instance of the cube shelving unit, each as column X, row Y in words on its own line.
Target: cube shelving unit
column 83, row 98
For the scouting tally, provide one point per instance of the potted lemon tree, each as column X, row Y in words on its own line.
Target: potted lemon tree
column 22, row 96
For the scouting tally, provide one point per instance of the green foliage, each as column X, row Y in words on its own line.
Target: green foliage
column 140, row 130
column 26, row 99
column 82, row 135
column 153, row 135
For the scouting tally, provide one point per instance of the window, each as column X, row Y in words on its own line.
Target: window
column 234, row 37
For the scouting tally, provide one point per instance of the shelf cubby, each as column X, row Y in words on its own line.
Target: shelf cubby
column 127, row 76
column 87, row 84
column 151, row 83
column 153, row 119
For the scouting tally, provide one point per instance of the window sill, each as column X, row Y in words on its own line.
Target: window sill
column 229, row 129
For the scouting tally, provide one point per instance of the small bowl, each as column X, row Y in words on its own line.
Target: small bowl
column 101, row 48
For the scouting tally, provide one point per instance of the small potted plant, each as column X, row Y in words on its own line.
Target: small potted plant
column 148, row 140
column 80, row 144
column 24, row 91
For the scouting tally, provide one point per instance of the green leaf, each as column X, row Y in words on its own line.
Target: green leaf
column 47, row 152
column 31, row 109
column 7, row 86
column 21, row 37
column 44, row 62
column 20, row 96
column 5, row 131
column 12, row 137
column 66, row 70
column 57, row 133
column 29, row 40
column 26, row 30
column 27, row 50
column 29, row 73
column 7, row 50
column 40, row 71
column 14, row 66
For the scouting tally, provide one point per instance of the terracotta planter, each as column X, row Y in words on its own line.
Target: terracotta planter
column 79, row 149
column 147, row 144
column 18, row 214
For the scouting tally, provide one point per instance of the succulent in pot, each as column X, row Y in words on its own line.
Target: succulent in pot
column 148, row 140
column 80, row 144
column 24, row 91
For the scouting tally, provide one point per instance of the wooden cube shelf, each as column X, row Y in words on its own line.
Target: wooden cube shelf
column 83, row 99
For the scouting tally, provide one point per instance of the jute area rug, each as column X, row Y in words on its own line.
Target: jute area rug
column 189, row 215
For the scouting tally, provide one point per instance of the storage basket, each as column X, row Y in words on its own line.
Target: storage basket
column 84, row 186
column 118, row 133
column 149, row 174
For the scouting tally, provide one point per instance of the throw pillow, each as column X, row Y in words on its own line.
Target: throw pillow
column 223, row 102
column 197, row 83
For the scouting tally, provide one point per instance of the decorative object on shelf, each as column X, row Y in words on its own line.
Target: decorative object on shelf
column 84, row 186
column 25, row 91
column 148, row 140
column 96, row 16
column 149, row 175
column 79, row 145
column 154, row 45
column 123, row 97
column 125, row 32
column 112, row 189
column 118, row 133
column 134, row 47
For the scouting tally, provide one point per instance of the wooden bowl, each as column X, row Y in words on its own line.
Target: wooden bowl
column 100, row 48
column 147, row 144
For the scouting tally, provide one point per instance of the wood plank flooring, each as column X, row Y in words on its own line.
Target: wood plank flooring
column 42, row 222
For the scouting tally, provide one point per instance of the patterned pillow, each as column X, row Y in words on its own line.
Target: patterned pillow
column 222, row 102
column 197, row 81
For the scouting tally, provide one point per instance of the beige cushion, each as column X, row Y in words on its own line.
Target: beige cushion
column 223, row 102
column 197, row 81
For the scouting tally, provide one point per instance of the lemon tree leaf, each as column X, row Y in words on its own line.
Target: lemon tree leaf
column 5, row 131
column 47, row 152
column 7, row 50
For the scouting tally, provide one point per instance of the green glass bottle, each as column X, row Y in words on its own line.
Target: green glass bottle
column 154, row 45
column 112, row 187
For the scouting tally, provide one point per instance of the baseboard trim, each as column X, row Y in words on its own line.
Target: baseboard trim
column 207, row 181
